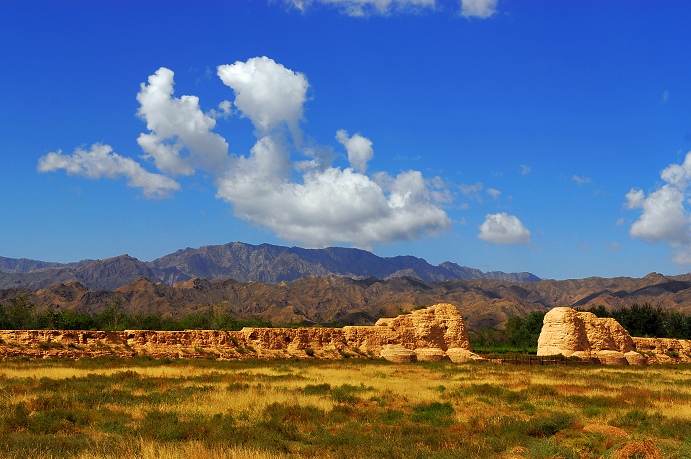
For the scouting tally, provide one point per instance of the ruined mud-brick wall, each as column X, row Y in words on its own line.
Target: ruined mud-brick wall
column 664, row 350
column 584, row 335
column 433, row 333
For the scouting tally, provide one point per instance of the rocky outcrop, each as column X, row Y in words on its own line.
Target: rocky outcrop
column 584, row 335
column 423, row 335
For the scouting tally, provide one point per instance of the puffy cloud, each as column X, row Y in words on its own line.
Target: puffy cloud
column 359, row 149
column 101, row 161
column 503, row 228
column 478, row 8
column 361, row 8
column 330, row 205
column 678, row 175
column 306, row 199
column 664, row 216
column 323, row 204
column 177, row 125
column 267, row 93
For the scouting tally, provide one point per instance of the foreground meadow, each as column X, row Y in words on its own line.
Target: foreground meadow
column 145, row 408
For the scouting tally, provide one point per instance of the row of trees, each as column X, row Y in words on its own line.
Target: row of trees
column 519, row 334
column 21, row 314
column 646, row 320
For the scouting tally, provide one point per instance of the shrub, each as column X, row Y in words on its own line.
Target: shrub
column 546, row 427
column 435, row 413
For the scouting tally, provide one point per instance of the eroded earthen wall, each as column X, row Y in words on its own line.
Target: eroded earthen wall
column 428, row 334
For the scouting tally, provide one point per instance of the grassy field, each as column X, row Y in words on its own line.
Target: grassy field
column 144, row 408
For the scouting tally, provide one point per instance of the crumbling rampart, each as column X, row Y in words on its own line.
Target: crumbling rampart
column 433, row 333
column 584, row 335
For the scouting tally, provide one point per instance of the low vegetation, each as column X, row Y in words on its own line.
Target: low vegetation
column 21, row 314
column 646, row 320
column 519, row 335
column 146, row 408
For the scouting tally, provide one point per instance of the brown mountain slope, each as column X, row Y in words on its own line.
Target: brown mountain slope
column 334, row 299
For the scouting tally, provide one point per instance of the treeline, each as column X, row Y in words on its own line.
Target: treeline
column 519, row 334
column 648, row 321
column 21, row 314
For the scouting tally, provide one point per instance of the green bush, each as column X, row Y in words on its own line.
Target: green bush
column 435, row 413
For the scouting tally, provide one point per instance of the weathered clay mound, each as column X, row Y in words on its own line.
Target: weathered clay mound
column 423, row 335
column 584, row 335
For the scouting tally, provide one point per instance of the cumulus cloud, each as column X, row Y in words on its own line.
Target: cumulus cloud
column 503, row 228
column 306, row 199
column 100, row 161
column 330, row 205
column 478, row 8
column 359, row 149
column 267, row 93
column 665, row 217
column 312, row 201
column 177, row 125
column 362, row 8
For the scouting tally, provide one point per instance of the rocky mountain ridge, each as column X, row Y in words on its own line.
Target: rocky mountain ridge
column 341, row 300
column 265, row 263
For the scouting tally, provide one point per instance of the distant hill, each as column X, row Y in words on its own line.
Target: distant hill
column 265, row 263
column 342, row 300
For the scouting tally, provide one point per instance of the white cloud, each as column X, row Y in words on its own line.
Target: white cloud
column 678, row 175
column 503, row 228
column 523, row 169
column 682, row 257
column 494, row 193
column 306, row 199
column 581, row 180
column 664, row 217
column 472, row 191
column 178, row 125
column 478, row 8
column 330, row 205
column 269, row 94
column 101, row 161
column 361, row 8
column 359, row 149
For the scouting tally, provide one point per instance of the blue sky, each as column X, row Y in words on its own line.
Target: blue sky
column 542, row 136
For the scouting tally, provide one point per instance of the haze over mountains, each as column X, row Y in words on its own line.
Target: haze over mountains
column 265, row 263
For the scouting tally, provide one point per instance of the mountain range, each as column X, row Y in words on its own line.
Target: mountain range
column 334, row 299
column 315, row 286
column 242, row 262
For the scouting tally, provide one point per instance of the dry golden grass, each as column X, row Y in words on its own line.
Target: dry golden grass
column 641, row 449
column 355, row 409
